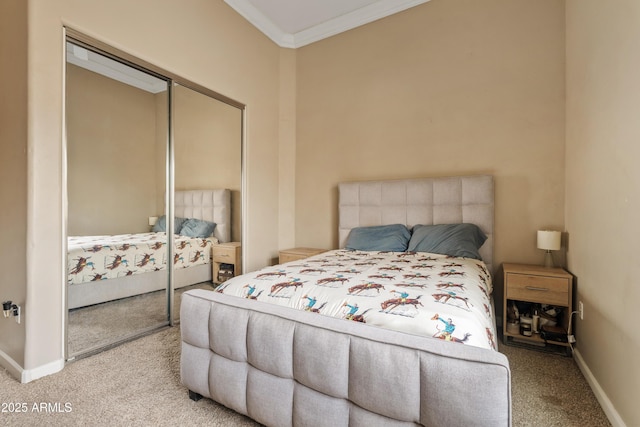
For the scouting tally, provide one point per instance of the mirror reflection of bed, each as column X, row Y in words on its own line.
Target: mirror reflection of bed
column 116, row 184
column 118, row 283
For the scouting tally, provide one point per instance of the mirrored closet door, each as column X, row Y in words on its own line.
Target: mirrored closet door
column 146, row 153
column 116, row 172
column 208, row 185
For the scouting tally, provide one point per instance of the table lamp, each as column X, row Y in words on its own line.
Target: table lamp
column 549, row 241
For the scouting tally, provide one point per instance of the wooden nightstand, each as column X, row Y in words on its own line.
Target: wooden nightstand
column 296, row 254
column 226, row 253
column 538, row 285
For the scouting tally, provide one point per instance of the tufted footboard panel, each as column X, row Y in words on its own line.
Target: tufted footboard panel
column 285, row 367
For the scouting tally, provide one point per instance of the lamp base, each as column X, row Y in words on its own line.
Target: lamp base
column 548, row 260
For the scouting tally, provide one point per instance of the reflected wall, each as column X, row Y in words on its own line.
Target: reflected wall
column 114, row 159
column 208, row 148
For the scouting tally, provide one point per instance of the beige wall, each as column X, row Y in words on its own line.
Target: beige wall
column 603, row 195
column 111, row 155
column 287, row 150
column 446, row 88
column 13, row 172
column 203, row 41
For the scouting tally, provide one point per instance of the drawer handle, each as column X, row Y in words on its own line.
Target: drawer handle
column 535, row 288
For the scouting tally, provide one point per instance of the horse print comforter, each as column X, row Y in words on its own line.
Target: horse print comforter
column 94, row 258
column 415, row 292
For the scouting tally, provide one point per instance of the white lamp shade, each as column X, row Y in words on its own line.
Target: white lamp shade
column 153, row 220
column 549, row 240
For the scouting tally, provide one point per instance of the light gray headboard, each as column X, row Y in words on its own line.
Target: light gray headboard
column 209, row 205
column 449, row 200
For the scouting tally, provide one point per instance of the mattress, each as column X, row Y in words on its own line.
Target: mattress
column 96, row 258
column 414, row 292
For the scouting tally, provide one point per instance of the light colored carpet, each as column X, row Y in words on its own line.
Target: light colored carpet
column 138, row 383
column 549, row 390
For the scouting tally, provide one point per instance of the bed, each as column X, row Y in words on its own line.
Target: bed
column 105, row 268
column 395, row 347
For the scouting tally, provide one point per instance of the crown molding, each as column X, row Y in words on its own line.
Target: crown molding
column 262, row 23
column 362, row 16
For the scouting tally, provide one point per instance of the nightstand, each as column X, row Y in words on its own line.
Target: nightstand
column 229, row 254
column 295, row 254
column 537, row 285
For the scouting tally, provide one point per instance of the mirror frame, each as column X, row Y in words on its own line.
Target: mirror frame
column 79, row 38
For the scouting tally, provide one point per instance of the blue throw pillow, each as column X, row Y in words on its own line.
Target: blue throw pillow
column 161, row 224
column 392, row 238
column 193, row 227
column 459, row 240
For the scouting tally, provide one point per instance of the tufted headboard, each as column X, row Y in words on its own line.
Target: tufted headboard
column 449, row 200
column 208, row 205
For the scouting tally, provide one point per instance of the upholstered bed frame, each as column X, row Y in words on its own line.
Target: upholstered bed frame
column 286, row 367
column 449, row 200
column 208, row 205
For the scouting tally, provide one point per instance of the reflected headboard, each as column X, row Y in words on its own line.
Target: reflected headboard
column 449, row 200
column 208, row 205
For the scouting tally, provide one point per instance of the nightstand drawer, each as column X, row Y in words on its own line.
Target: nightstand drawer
column 543, row 289
column 226, row 254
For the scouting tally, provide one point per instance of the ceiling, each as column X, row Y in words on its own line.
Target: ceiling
column 296, row 23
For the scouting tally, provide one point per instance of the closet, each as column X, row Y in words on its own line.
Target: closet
column 136, row 134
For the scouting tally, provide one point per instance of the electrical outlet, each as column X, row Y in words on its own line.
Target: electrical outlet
column 581, row 310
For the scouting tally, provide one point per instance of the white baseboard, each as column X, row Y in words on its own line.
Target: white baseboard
column 607, row 406
column 28, row 375
column 42, row 371
column 7, row 362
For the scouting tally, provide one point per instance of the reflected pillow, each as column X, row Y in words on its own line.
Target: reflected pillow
column 392, row 238
column 193, row 227
column 459, row 240
column 161, row 224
